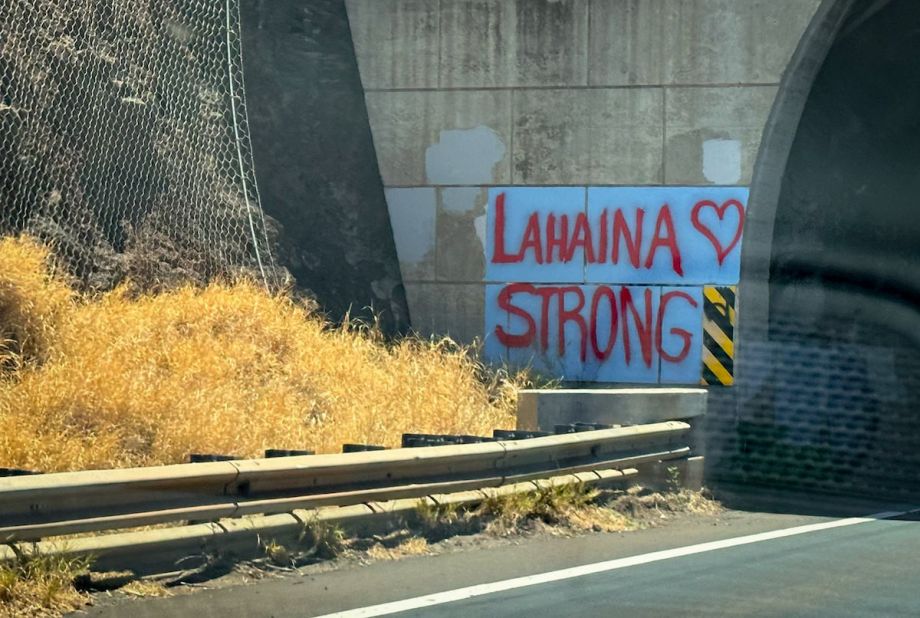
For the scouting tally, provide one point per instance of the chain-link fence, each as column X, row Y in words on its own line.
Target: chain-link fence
column 124, row 142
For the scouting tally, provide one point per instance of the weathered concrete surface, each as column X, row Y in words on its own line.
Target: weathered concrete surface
column 513, row 43
column 542, row 409
column 707, row 126
column 406, row 124
column 643, row 42
column 625, row 44
column 597, row 136
column 461, row 233
column 314, row 157
column 452, row 309
column 530, row 92
column 731, row 42
column 396, row 42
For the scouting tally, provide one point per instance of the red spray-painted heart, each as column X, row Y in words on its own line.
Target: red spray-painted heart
column 721, row 252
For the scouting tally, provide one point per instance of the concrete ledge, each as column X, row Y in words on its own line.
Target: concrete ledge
column 542, row 409
column 687, row 474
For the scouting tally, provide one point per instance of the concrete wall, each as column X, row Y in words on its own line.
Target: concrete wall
column 314, row 158
column 466, row 95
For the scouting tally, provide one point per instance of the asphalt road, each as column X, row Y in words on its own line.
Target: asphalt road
column 864, row 568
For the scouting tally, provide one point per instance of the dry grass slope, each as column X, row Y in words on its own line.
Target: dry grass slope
column 36, row 586
column 123, row 380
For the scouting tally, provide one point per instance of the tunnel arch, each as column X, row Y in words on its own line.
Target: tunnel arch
column 829, row 327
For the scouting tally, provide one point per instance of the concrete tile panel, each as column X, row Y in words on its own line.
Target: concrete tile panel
column 731, row 41
column 634, row 357
column 412, row 217
column 477, row 43
column 464, row 156
column 450, row 309
column 442, row 137
column 626, row 42
column 533, row 257
column 514, row 43
column 558, row 353
column 461, row 233
column 626, row 136
column 681, row 335
column 705, row 224
column 597, row 136
column 713, row 134
column 396, row 42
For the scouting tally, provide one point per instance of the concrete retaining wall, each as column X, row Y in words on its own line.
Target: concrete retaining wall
column 464, row 95
column 314, row 158
column 543, row 409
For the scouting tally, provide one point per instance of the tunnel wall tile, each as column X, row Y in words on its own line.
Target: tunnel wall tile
column 485, row 43
column 626, row 44
column 713, row 134
column 467, row 95
column 420, row 134
column 596, row 136
column 396, row 42
column 453, row 309
column 727, row 41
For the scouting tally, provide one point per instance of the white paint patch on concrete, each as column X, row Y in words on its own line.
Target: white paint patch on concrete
column 722, row 161
column 479, row 224
column 464, row 157
column 412, row 216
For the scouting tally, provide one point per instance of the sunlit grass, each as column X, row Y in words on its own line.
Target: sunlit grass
column 39, row 585
column 126, row 380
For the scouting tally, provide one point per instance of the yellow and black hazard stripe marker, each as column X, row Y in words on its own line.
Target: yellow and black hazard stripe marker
column 718, row 335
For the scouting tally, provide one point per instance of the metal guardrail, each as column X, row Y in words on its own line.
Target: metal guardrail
column 41, row 506
column 158, row 550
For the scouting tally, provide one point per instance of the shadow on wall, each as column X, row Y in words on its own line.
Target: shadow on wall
column 839, row 371
column 315, row 160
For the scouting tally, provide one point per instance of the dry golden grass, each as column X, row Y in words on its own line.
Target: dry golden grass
column 32, row 302
column 597, row 518
column 566, row 509
column 565, row 506
column 38, row 585
column 145, row 588
column 413, row 546
column 646, row 506
column 119, row 380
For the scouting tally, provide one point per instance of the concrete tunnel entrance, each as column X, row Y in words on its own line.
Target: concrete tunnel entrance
column 830, row 375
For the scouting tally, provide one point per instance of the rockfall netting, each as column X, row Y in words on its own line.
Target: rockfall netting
column 124, row 142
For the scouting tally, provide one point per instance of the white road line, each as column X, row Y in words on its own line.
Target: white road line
column 470, row 592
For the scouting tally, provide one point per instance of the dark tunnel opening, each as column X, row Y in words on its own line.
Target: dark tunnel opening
column 841, row 406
